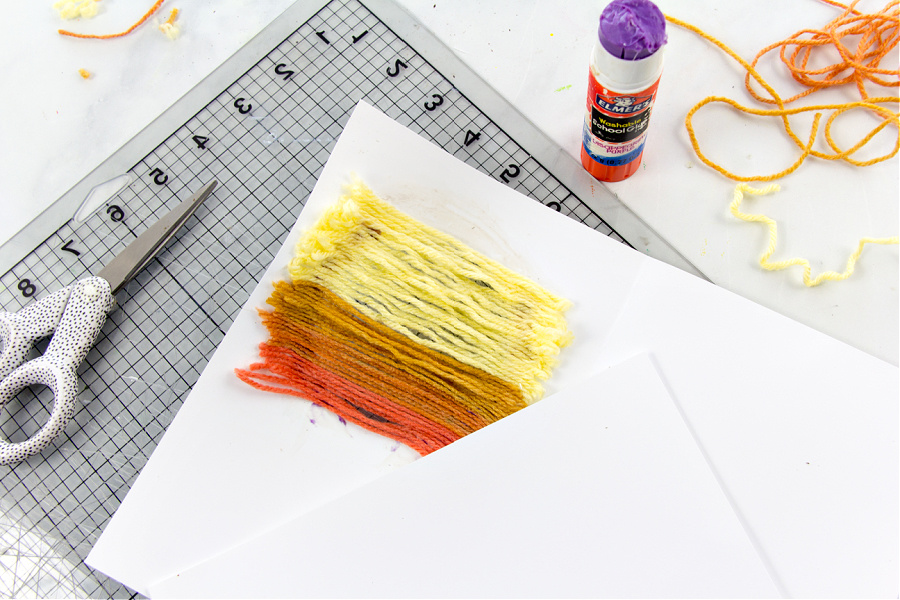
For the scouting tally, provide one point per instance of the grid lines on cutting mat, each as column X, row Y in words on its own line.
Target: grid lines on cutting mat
column 265, row 138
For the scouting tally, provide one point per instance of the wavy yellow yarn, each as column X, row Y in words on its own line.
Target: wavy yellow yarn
column 435, row 290
column 810, row 281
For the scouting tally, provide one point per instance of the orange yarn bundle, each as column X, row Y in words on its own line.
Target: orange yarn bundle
column 371, row 375
column 878, row 35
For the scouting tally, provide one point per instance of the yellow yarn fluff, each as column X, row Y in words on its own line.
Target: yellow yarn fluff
column 435, row 290
column 72, row 9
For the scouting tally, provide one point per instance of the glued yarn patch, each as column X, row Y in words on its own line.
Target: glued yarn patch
column 404, row 330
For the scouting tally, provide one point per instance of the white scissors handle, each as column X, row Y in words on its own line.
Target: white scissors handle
column 77, row 313
column 19, row 330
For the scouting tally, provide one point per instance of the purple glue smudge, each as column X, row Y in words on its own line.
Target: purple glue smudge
column 632, row 29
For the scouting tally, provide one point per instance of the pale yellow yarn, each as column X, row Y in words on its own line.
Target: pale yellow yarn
column 810, row 281
column 432, row 288
column 71, row 9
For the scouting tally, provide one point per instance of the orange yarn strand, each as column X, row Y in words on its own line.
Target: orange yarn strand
column 172, row 16
column 85, row 36
column 879, row 35
column 292, row 374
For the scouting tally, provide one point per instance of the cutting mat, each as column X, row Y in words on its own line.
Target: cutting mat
column 263, row 125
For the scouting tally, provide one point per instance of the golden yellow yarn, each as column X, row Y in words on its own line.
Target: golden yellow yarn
column 433, row 289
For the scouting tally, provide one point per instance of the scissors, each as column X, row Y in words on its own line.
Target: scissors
column 74, row 315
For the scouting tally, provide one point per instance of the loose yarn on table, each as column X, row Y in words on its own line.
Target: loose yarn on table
column 764, row 262
column 404, row 330
column 141, row 21
column 878, row 35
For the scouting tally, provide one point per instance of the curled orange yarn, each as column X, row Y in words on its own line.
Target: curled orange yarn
column 86, row 36
column 878, row 36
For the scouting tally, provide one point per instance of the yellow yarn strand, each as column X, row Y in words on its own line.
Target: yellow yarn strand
column 433, row 289
column 806, row 147
column 743, row 188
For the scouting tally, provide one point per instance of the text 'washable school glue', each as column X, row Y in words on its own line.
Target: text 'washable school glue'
column 626, row 65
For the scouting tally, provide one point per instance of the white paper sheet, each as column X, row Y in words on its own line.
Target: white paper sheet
column 236, row 462
column 802, row 430
column 597, row 491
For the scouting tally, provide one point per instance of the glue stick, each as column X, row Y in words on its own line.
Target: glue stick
column 626, row 65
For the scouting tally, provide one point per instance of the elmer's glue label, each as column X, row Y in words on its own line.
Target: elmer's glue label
column 626, row 65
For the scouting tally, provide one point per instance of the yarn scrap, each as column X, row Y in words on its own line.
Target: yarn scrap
column 140, row 22
column 72, row 9
column 764, row 262
column 404, row 330
column 169, row 27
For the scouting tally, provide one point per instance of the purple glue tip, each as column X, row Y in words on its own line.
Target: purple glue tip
column 632, row 29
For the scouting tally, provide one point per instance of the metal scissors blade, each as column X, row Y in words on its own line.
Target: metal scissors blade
column 138, row 253
column 74, row 314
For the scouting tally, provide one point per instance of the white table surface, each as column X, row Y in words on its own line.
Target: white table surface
column 56, row 127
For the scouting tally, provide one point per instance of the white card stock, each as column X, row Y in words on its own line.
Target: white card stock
column 800, row 429
column 596, row 491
